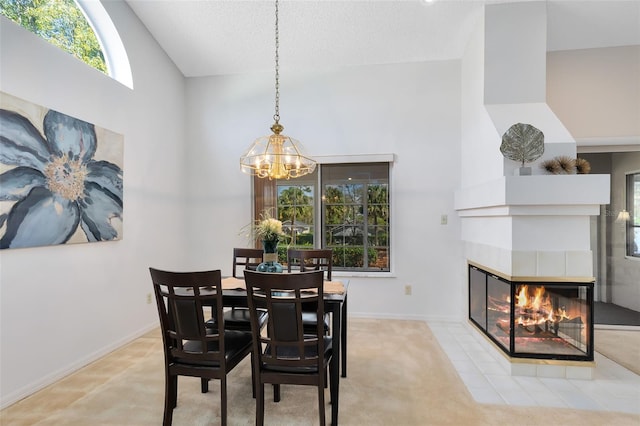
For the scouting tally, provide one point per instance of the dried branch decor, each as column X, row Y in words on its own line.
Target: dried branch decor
column 567, row 164
column 552, row 166
column 582, row 166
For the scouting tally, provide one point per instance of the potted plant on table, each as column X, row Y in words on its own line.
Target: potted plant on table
column 269, row 231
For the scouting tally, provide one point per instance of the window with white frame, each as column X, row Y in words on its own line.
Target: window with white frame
column 343, row 206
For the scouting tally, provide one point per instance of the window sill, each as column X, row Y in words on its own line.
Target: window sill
column 368, row 274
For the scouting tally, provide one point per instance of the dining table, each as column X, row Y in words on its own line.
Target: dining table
column 234, row 294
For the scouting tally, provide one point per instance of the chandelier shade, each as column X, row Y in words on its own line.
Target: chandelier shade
column 277, row 156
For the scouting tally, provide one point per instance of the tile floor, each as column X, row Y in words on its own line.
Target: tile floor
column 613, row 388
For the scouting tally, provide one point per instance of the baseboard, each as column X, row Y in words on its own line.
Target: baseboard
column 425, row 318
column 616, row 327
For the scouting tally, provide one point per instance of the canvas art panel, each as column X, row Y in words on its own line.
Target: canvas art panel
column 61, row 178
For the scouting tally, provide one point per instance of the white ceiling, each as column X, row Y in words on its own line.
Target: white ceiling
column 209, row 37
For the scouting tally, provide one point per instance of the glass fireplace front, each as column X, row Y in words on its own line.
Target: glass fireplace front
column 533, row 319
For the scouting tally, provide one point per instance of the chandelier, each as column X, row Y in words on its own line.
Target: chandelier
column 277, row 156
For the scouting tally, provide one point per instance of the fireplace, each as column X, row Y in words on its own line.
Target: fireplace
column 540, row 318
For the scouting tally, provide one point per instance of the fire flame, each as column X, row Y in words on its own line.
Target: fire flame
column 537, row 309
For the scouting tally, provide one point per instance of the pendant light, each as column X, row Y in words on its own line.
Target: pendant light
column 276, row 156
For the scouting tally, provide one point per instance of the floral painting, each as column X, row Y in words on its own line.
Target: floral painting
column 60, row 178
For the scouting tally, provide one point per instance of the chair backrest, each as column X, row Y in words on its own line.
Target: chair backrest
column 249, row 258
column 311, row 260
column 181, row 298
column 285, row 297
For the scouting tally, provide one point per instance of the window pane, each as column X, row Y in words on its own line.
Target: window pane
column 635, row 191
column 62, row 24
column 633, row 207
column 296, row 211
column 334, row 214
column 356, row 215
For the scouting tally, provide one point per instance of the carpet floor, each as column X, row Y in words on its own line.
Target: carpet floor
column 621, row 346
column 404, row 380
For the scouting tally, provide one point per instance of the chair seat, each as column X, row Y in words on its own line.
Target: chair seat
column 309, row 321
column 239, row 319
column 292, row 352
column 236, row 343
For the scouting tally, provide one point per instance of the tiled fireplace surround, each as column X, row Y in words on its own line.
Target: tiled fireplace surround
column 522, row 226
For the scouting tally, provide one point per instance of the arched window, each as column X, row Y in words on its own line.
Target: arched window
column 82, row 28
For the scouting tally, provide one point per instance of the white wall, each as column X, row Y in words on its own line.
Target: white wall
column 514, row 53
column 596, row 93
column 481, row 158
column 411, row 110
column 63, row 306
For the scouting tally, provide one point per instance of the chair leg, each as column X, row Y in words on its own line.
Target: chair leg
column 276, row 393
column 259, row 404
column 223, row 401
column 321, row 404
column 253, row 374
column 327, row 332
column 170, row 398
column 204, row 385
column 173, row 390
column 334, row 390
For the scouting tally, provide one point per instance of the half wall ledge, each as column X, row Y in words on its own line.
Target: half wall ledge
column 573, row 194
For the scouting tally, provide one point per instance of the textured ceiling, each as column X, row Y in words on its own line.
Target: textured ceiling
column 234, row 36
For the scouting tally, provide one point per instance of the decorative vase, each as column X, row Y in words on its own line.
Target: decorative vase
column 270, row 257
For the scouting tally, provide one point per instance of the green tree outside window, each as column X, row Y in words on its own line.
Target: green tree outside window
column 60, row 22
column 296, row 211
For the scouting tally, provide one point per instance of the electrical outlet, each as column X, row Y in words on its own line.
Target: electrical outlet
column 407, row 289
column 444, row 219
column 148, row 298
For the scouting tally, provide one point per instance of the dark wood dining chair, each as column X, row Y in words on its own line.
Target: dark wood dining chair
column 246, row 258
column 311, row 260
column 286, row 353
column 237, row 318
column 191, row 348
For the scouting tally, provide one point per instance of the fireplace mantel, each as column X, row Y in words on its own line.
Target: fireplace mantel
column 534, row 279
column 535, row 194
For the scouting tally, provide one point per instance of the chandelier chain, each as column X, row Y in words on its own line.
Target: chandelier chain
column 276, row 156
column 276, row 116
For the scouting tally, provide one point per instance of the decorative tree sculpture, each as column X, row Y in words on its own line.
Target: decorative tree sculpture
column 523, row 143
